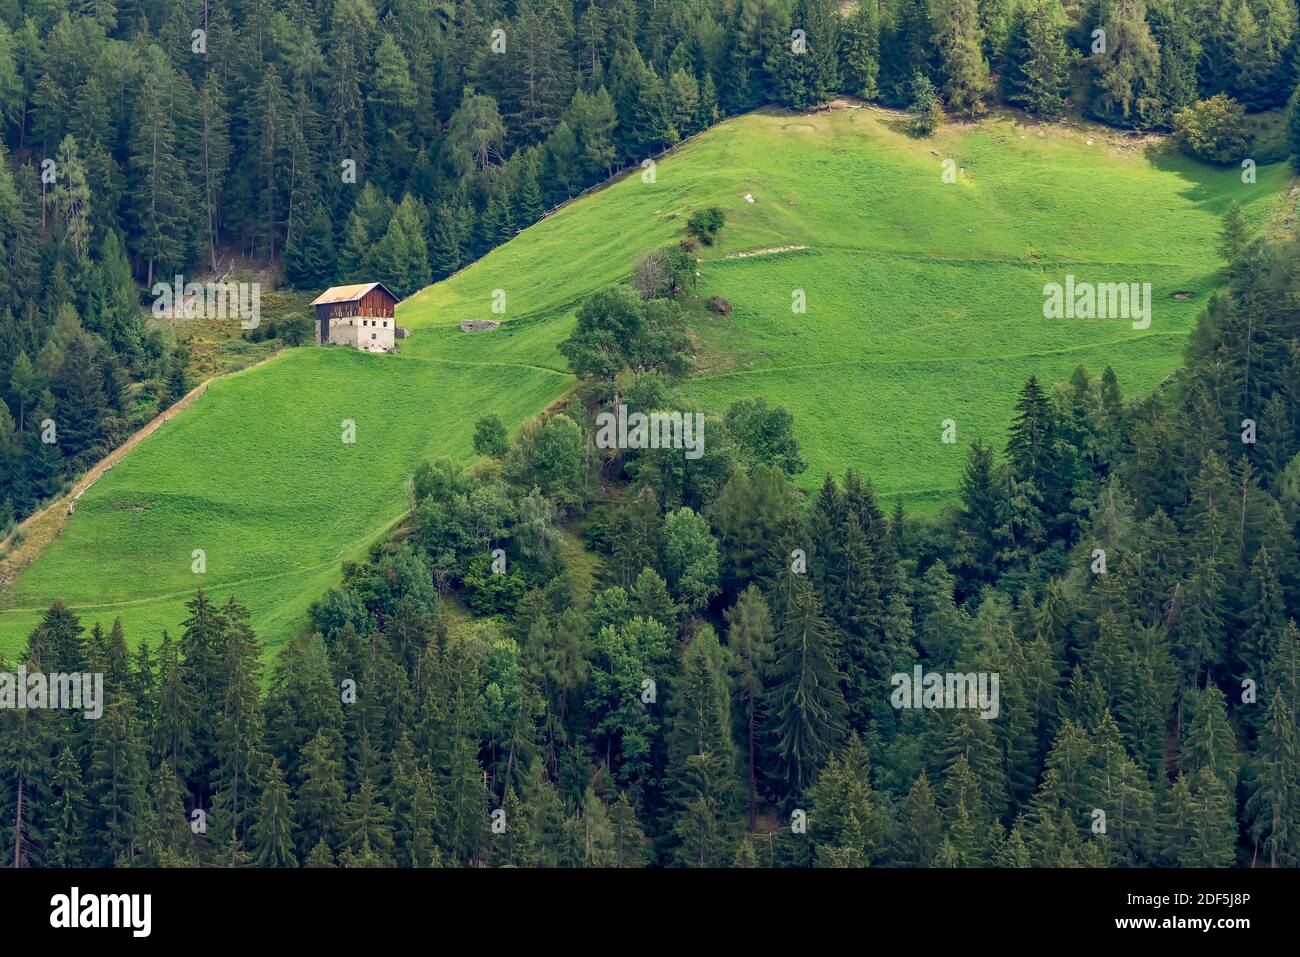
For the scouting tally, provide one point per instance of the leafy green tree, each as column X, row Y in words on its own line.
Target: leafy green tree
column 764, row 436
column 1213, row 129
column 923, row 106
column 616, row 331
column 475, row 134
column 690, row 558
column 490, row 436
column 705, row 224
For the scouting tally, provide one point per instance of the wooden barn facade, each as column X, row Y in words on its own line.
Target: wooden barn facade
column 363, row 316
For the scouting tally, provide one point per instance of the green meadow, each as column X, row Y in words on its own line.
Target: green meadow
column 923, row 303
column 923, row 298
column 256, row 474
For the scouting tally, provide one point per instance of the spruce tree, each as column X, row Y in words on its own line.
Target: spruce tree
column 749, row 638
column 1042, row 77
column 159, row 188
column 272, row 830
column 806, row 697
column 1272, row 805
column 859, row 51
column 66, row 831
column 920, row 829
column 959, row 41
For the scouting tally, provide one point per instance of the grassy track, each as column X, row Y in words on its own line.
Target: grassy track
column 924, row 302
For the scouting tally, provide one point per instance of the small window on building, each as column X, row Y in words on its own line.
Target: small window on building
column 385, row 324
column 373, row 336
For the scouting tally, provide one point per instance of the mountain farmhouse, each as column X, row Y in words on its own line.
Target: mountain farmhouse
column 362, row 316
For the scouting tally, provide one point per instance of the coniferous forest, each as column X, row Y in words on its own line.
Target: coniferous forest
column 715, row 661
column 680, row 702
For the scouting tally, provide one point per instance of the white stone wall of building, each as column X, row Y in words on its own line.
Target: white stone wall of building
column 364, row 333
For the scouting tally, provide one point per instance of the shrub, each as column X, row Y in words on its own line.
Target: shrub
column 296, row 330
column 705, row 224
column 489, row 593
column 261, row 332
column 600, row 532
column 681, row 265
column 925, row 112
column 1213, row 130
column 490, row 436
column 719, row 305
column 650, row 275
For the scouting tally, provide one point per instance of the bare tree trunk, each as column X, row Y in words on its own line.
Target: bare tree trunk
column 18, row 827
column 207, row 185
column 753, row 810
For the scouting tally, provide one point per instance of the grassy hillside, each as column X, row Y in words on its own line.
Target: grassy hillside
column 257, row 475
column 924, row 302
column 924, row 298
